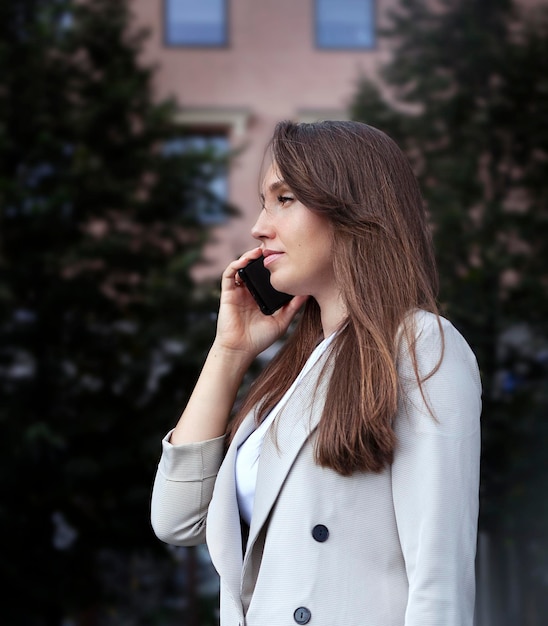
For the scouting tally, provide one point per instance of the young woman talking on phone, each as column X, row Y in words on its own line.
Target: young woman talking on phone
column 345, row 491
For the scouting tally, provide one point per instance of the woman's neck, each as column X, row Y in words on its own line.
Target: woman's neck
column 333, row 313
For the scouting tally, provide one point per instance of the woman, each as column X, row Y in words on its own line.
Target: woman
column 349, row 491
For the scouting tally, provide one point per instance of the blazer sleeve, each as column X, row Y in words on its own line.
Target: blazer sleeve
column 182, row 490
column 435, row 476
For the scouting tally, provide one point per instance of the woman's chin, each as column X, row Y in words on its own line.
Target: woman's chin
column 284, row 287
column 278, row 283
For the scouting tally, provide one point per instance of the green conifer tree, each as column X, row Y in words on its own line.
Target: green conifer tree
column 100, row 333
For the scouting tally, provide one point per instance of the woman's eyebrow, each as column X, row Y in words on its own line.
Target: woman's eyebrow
column 276, row 185
column 273, row 188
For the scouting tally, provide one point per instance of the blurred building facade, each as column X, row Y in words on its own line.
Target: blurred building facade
column 237, row 67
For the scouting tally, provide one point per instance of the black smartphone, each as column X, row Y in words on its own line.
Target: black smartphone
column 257, row 279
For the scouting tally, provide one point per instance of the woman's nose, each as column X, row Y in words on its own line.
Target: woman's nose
column 262, row 228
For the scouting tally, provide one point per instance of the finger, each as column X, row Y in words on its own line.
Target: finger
column 242, row 261
column 289, row 310
column 295, row 304
column 230, row 275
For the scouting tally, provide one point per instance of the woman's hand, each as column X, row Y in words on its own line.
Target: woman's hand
column 241, row 326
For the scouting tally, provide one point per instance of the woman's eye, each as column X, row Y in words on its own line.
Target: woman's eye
column 284, row 199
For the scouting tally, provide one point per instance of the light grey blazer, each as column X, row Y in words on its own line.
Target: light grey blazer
column 389, row 549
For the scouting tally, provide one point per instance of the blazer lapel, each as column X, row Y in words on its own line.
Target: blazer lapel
column 290, row 431
column 299, row 418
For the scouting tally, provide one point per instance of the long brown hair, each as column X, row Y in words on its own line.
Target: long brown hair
column 383, row 260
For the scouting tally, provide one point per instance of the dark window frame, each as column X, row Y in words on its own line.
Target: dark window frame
column 204, row 45
column 347, row 48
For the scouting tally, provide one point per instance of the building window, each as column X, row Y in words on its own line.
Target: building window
column 195, row 22
column 209, row 152
column 345, row 24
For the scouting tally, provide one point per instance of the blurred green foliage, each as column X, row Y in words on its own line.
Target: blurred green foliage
column 101, row 329
column 468, row 102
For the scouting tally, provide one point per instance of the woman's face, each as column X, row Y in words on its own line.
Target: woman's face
column 297, row 243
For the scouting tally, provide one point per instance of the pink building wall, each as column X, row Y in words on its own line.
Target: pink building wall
column 270, row 70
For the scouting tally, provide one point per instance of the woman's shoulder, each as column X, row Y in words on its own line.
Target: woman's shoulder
column 424, row 326
column 450, row 387
column 434, row 339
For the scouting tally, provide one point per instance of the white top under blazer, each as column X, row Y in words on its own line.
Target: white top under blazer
column 249, row 452
column 395, row 548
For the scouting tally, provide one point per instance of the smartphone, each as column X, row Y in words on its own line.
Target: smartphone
column 257, row 279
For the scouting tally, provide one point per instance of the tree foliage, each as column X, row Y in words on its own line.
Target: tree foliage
column 100, row 333
column 468, row 85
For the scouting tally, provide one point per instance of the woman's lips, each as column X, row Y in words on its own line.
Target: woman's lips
column 271, row 257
